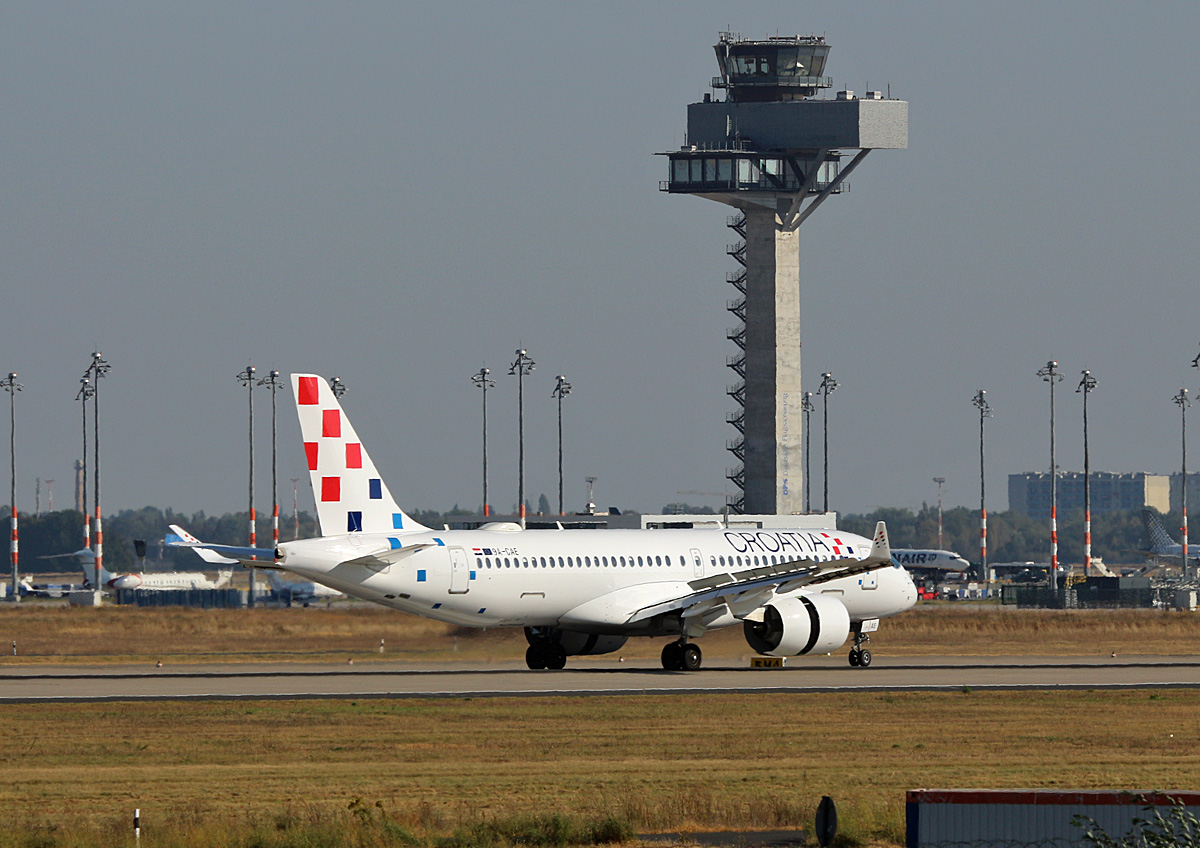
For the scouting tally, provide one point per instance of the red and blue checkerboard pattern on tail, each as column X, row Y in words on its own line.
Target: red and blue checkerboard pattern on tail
column 351, row 496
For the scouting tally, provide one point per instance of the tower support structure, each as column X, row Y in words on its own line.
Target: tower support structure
column 773, row 150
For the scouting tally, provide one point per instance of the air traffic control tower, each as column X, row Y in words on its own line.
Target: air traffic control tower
column 773, row 149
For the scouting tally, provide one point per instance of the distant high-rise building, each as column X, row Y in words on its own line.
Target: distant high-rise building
column 1177, row 491
column 1029, row 493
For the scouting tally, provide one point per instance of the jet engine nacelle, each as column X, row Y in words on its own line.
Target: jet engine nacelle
column 800, row 624
column 578, row 644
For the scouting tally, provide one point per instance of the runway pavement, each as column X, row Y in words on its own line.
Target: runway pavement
column 595, row 677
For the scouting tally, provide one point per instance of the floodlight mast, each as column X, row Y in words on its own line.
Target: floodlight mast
column 773, row 150
column 1085, row 388
column 482, row 379
column 1051, row 375
column 11, row 386
column 1182, row 401
column 86, row 390
column 247, row 379
column 828, row 385
column 99, row 369
column 985, row 411
column 273, row 382
column 807, row 405
column 561, row 389
column 522, row 366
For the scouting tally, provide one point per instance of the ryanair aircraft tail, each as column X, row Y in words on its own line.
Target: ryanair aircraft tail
column 351, row 496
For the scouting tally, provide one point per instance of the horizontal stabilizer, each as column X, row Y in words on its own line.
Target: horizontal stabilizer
column 224, row 554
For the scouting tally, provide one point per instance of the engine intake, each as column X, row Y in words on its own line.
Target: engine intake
column 800, row 624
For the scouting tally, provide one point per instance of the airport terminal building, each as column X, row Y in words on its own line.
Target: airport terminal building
column 1029, row 493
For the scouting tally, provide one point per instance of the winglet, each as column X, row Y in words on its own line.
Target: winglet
column 881, row 549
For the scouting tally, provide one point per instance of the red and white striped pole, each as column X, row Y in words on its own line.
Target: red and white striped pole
column 100, row 368
column 247, row 379
column 985, row 411
column 1051, row 375
column 11, row 386
column 1053, row 535
column 1182, row 401
column 1086, row 385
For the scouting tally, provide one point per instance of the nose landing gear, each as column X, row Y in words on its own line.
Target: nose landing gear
column 860, row 657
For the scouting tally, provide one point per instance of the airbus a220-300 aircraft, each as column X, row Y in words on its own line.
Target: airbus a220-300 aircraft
column 581, row 591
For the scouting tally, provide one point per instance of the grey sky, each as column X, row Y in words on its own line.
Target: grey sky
column 401, row 193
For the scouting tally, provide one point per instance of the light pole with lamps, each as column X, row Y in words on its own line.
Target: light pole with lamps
column 828, row 384
column 1182, row 401
column 1050, row 375
column 985, row 412
column 86, row 390
column 521, row 367
column 99, row 369
column 247, row 379
column 272, row 382
column 11, row 386
column 482, row 379
column 1085, row 387
column 807, row 405
column 561, row 389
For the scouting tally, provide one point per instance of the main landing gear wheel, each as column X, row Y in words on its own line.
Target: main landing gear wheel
column 546, row 654
column 860, row 657
column 681, row 656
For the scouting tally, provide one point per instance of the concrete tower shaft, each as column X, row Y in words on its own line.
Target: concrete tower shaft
column 773, row 448
column 773, row 151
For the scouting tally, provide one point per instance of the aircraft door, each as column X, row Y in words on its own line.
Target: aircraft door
column 697, row 563
column 460, row 574
column 869, row 580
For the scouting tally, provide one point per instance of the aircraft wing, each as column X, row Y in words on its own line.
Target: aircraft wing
column 743, row 592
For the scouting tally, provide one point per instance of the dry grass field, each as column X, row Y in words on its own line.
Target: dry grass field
column 380, row 772
column 59, row 634
column 660, row 763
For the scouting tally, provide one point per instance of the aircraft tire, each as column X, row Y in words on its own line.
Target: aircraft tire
column 535, row 656
column 690, row 657
column 556, row 656
column 864, row 658
column 855, row 657
column 672, row 657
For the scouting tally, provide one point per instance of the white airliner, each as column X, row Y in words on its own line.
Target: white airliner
column 581, row 591
column 151, row 581
column 929, row 559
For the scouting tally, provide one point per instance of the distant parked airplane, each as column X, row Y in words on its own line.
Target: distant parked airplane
column 149, row 581
column 303, row 593
column 929, row 560
column 1162, row 547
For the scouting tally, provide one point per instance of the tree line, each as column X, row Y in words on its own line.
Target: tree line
column 1117, row 537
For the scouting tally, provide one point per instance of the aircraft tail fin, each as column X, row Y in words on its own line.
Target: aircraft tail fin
column 351, row 496
column 1160, row 539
